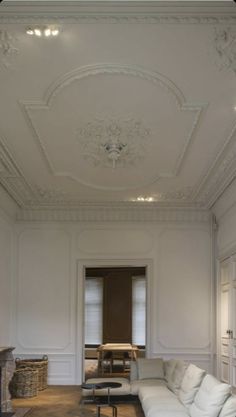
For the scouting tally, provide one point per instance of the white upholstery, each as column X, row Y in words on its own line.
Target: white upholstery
column 210, row 398
column 176, row 377
column 171, row 404
column 167, row 413
column 229, row 407
column 183, row 391
column 161, row 393
column 169, row 368
column 133, row 376
column 150, row 368
column 190, row 384
column 147, row 383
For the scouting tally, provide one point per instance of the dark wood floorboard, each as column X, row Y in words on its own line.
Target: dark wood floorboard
column 64, row 401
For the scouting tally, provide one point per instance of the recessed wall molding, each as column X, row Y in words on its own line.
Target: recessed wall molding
column 116, row 213
column 128, row 241
column 37, row 279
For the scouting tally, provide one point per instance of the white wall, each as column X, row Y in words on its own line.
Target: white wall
column 225, row 211
column 48, row 296
column 7, row 212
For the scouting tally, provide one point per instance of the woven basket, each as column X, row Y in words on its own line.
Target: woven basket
column 41, row 365
column 24, row 383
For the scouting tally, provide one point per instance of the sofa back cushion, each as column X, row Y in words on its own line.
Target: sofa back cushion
column 210, row 398
column 169, row 366
column 150, row 368
column 176, row 376
column 190, row 384
column 133, row 376
column 229, row 407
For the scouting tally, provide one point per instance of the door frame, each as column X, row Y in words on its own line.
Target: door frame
column 82, row 264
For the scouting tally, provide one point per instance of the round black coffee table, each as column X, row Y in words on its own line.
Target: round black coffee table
column 100, row 385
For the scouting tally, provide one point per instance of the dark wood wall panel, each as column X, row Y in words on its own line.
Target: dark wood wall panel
column 117, row 307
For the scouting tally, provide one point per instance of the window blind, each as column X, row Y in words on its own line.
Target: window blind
column 93, row 310
column 139, row 311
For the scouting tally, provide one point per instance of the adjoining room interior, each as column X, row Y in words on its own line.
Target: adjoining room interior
column 115, row 313
column 117, row 192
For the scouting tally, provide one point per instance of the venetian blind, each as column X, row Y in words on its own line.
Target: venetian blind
column 93, row 310
column 139, row 311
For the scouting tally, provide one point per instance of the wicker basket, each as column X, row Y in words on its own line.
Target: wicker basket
column 41, row 365
column 24, row 383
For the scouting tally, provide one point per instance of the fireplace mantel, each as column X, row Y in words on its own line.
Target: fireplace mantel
column 7, row 367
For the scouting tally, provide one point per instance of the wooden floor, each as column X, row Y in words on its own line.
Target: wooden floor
column 64, row 401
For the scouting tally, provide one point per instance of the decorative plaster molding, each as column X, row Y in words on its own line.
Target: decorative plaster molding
column 7, row 47
column 183, row 194
column 49, row 195
column 116, row 213
column 225, row 44
column 117, row 12
column 220, row 174
column 114, row 142
column 112, row 69
column 12, row 178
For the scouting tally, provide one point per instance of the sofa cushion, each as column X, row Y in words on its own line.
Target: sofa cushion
column 133, row 376
column 176, row 377
column 160, row 392
column 191, row 382
column 167, row 413
column 150, row 368
column 139, row 383
column 209, row 398
column 153, row 405
column 169, row 367
column 229, row 407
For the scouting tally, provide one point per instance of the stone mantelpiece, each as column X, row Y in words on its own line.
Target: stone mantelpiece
column 7, row 366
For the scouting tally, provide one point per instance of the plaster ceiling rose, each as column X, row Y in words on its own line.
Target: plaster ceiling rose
column 114, row 142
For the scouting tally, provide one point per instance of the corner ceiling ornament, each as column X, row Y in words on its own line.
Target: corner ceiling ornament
column 114, row 142
column 225, row 43
column 7, row 46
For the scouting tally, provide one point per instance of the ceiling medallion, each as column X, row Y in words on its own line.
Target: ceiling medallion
column 114, row 142
column 225, row 43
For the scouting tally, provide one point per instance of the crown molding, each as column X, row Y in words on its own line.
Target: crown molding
column 125, row 212
column 221, row 173
column 177, row 12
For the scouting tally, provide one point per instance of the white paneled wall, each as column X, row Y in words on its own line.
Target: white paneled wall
column 48, row 298
column 5, row 281
column 184, row 288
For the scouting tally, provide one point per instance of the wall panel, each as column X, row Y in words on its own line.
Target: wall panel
column 184, row 291
column 43, row 304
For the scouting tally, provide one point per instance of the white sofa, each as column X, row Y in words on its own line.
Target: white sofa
column 174, row 389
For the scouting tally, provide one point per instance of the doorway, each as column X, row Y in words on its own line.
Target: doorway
column 98, row 281
column 114, row 313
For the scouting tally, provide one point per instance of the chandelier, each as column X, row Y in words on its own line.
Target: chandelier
column 113, row 142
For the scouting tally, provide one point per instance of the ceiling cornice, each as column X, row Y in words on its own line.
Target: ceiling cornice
column 190, row 12
column 125, row 212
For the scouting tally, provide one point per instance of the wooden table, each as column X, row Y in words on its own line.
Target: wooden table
column 120, row 348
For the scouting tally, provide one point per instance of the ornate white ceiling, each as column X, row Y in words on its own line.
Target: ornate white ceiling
column 156, row 78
